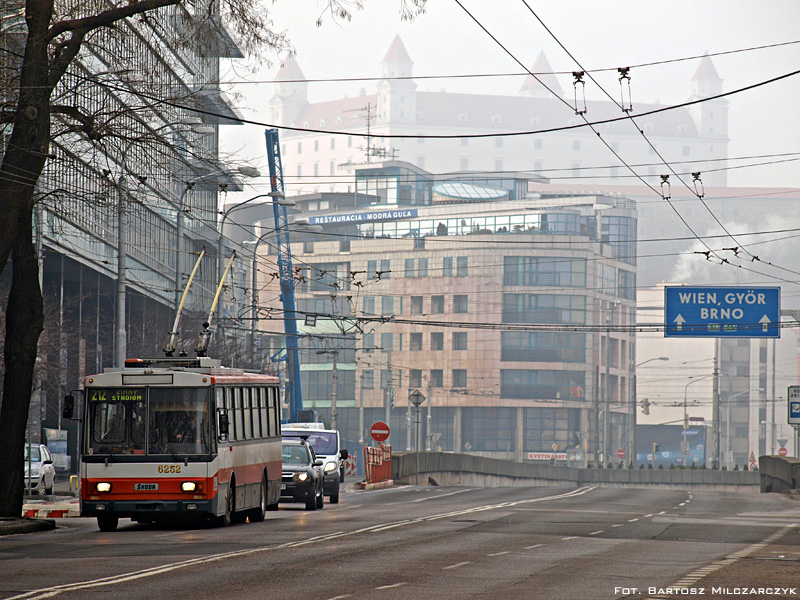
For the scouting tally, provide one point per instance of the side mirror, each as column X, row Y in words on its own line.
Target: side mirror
column 48, row 462
column 224, row 427
column 318, row 462
column 69, row 406
column 343, row 454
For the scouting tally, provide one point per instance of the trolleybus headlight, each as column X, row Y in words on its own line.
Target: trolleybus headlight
column 103, row 486
column 330, row 466
column 189, row 486
column 302, row 476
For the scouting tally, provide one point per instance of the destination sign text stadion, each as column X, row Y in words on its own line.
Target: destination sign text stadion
column 721, row 311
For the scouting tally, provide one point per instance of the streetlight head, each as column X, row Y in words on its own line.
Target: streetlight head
column 663, row 358
column 203, row 129
column 191, row 121
column 300, row 222
column 249, row 171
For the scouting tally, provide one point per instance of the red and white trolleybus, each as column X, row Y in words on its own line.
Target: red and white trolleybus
column 175, row 437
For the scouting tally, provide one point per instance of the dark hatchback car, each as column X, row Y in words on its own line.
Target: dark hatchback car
column 302, row 474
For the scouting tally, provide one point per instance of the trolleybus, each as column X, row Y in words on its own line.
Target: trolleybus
column 175, row 437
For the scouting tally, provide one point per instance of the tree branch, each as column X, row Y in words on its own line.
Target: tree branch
column 107, row 17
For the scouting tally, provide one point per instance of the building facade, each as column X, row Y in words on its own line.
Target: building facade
column 510, row 312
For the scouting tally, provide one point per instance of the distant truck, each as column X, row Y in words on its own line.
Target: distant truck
column 327, row 445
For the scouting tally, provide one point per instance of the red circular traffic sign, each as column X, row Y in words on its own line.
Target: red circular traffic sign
column 782, row 451
column 379, row 431
column 620, row 453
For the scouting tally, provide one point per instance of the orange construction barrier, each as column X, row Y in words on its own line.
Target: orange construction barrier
column 378, row 463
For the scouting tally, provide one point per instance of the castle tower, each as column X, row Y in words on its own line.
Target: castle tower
column 396, row 97
column 710, row 118
column 291, row 93
column 543, row 70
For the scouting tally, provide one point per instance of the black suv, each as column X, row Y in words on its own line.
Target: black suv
column 302, row 474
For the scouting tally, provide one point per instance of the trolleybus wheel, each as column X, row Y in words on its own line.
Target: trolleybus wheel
column 107, row 522
column 259, row 513
column 225, row 518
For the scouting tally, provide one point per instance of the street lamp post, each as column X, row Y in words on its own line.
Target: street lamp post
column 728, row 451
column 632, row 388
column 684, row 446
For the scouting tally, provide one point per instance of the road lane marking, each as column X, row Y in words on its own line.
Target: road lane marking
column 393, row 585
column 441, row 495
column 534, row 546
column 647, row 516
column 632, row 520
column 499, row 553
column 571, row 537
column 461, row 564
column 596, row 532
column 49, row 592
column 342, row 597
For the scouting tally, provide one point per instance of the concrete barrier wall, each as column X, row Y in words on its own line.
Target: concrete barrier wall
column 441, row 468
column 778, row 473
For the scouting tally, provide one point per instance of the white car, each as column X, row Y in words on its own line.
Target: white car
column 39, row 470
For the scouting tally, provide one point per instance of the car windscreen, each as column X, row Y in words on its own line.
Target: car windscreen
column 293, row 455
column 32, row 454
column 323, row 442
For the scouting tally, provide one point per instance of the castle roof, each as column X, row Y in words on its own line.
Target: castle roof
column 397, row 52
column 706, row 70
column 290, row 70
column 544, row 72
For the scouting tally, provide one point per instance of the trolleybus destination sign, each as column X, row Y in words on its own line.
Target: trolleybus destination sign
column 722, row 311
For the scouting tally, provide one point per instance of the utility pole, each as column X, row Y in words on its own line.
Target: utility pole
column 121, row 345
column 716, row 459
column 333, row 392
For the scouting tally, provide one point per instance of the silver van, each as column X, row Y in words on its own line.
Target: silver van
column 327, row 445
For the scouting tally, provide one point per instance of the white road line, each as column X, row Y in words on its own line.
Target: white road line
column 596, row 532
column 534, row 546
column 571, row 537
column 340, row 597
column 441, row 495
column 461, row 564
column 632, row 520
column 393, row 585
column 499, row 553
column 49, row 592
column 618, row 525
column 647, row 516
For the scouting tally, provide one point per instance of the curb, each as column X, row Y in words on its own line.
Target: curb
column 51, row 511
column 25, row 525
column 377, row 486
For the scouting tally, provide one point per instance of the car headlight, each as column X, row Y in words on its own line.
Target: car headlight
column 302, row 476
column 189, row 486
column 330, row 466
column 103, row 486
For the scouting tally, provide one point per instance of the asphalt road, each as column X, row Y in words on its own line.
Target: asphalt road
column 432, row 542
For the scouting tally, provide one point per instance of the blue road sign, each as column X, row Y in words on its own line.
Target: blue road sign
column 794, row 405
column 722, row 312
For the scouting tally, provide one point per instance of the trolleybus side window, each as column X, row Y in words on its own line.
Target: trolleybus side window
column 273, row 412
column 264, row 412
column 238, row 428
column 116, row 420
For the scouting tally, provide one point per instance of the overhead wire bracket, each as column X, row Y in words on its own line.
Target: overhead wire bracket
column 665, row 187
column 625, row 82
column 698, row 185
column 578, row 75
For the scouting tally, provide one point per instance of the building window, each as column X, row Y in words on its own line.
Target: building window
column 488, row 429
column 299, row 147
column 422, row 267
column 387, row 342
column 316, row 145
column 542, row 385
column 544, row 270
column 333, row 168
column 416, row 305
column 447, row 266
column 421, row 162
column 687, row 150
column 437, row 340
column 464, row 141
column 543, row 346
column 437, row 305
column 410, row 271
column 537, row 144
column 299, row 170
column 459, row 340
column 460, row 304
column 415, row 343
column 556, row 309
column 437, row 378
column 498, row 165
column 333, row 143
column 368, row 305
column 465, row 164
column 415, row 378
column 576, row 145
column 368, row 379
column 498, row 142
column 461, row 266
column 459, row 378
column 387, row 305
column 372, row 269
column 368, row 342
column 386, row 268
column 386, row 379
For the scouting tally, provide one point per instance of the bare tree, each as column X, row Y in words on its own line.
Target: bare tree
column 64, row 92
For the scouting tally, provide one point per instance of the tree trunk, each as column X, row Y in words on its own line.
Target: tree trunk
column 24, row 323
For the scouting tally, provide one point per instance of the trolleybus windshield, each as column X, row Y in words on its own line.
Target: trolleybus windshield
column 149, row 420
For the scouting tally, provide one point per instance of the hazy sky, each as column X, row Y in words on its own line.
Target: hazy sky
column 599, row 34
